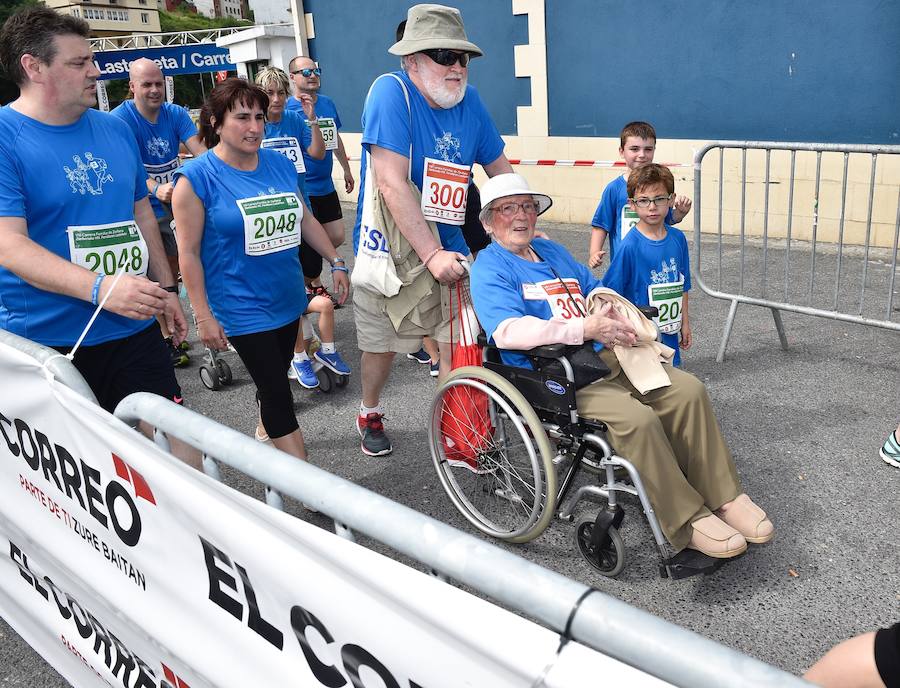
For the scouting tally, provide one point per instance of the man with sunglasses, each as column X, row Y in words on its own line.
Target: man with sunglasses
column 426, row 124
column 323, row 199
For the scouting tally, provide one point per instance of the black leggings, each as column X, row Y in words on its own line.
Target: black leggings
column 267, row 356
column 887, row 655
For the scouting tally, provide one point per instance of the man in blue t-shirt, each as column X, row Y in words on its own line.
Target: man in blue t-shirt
column 323, row 198
column 159, row 128
column 426, row 124
column 76, row 229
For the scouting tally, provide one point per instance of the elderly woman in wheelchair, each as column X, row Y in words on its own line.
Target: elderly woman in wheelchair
column 530, row 296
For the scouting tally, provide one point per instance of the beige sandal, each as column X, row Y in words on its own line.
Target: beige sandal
column 715, row 538
column 748, row 519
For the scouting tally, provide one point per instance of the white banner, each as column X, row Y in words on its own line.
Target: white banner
column 123, row 567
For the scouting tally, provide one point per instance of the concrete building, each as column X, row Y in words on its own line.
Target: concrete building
column 113, row 17
column 271, row 11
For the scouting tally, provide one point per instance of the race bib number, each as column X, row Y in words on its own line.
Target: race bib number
column 629, row 221
column 112, row 248
column 162, row 174
column 329, row 132
column 565, row 301
column 289, row 147
column 668, row 299
column 444, row 189
column 271, row 223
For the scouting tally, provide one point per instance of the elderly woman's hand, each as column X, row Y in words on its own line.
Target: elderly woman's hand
column 609, row 327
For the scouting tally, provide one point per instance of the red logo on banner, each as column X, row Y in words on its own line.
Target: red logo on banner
column 172, row 678
column 128, row 474
column 222, row 75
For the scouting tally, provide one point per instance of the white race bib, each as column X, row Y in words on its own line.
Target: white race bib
column 329, row 132
column 289, row 147
column 162, row 174
column 668, row 299
column 563, row 304
column 110, row 249
column 271, row 223
column 444, row 189
column 629, row 221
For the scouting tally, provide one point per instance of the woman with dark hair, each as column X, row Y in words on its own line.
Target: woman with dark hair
column 240, row 218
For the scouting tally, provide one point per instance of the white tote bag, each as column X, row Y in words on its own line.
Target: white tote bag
column 374, row 267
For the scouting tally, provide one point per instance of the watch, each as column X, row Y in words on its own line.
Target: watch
column 172, row 290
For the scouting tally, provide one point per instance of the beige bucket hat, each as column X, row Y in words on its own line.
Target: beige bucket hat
column 433, row 26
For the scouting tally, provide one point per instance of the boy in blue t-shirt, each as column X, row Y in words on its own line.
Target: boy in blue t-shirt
column 614, row 217
column 651, row 266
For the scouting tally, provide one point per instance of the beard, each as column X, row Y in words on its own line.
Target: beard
column 446, row 97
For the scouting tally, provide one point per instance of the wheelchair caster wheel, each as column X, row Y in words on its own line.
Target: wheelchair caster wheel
column 609, row 557
column 342, row 380
column 326, row 380
column 209, row 377
column 223, row 372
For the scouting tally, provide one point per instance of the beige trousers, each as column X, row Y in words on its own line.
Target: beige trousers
column 673, row 439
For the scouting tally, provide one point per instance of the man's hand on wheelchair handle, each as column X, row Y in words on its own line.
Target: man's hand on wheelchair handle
column 609, row 327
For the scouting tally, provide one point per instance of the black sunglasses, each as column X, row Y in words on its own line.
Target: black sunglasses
column 447, row 57
column 307, row 72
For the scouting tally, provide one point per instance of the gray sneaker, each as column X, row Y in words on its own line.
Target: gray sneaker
column 374, row 441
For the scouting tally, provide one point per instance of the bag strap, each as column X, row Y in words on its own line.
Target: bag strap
column 408, row 112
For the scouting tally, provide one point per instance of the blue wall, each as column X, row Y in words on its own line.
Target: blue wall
column 812, row 70
column 788, row 70
column 352, row 39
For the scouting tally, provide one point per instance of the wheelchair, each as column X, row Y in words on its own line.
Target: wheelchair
column 498, row 463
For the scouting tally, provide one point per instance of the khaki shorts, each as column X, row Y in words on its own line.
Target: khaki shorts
column 375, row 332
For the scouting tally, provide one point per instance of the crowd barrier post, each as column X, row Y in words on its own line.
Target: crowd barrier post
column 837, row 259
column 578, row 612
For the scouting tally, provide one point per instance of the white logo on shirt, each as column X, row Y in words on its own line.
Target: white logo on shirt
column 157, row 147
column 668, row 273
column 447, row 147
column 87, row 177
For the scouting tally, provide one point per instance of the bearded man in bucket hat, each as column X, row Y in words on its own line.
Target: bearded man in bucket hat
column 423, row 123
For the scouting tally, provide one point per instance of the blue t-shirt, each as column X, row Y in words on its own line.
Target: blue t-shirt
column 284, row 135
column 506, row 286
column 318, row 172
column 158, row 143
column 56, row 177
column 464, row 134
column 609, row 212
column 246, row 294
column 641, row 262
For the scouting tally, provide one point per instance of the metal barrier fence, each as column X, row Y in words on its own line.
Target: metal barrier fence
column 810, row 244
column 572, row 609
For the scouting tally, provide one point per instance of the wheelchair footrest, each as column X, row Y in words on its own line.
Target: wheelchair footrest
column 689, row 562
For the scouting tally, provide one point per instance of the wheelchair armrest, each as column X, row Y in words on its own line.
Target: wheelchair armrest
column 649, row 312
column 544, row 351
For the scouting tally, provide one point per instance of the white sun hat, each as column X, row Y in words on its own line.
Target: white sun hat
column 510, row 184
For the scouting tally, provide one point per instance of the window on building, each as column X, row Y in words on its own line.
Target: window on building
column 76, row 12
column 145, row 18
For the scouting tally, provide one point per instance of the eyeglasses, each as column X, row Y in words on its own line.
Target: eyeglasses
column 657, row 201
column 307, row 72
column 510, row 209
column 447, row 57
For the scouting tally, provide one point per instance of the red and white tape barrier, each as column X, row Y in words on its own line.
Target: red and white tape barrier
column 585, row 163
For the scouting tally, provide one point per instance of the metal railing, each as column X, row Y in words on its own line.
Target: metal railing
column 163, row 40
column 574, row 610
column 819, row 264
column 585, row 615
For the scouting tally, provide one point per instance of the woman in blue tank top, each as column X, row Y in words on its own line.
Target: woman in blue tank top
column 240, row 218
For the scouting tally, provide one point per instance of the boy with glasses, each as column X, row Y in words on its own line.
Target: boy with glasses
column 614, row 217
column 651, row 265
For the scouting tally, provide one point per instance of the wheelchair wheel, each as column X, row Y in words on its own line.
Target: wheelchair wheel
column 492, row 455
column 209, row 377
column 608, row 560
column 223, row 371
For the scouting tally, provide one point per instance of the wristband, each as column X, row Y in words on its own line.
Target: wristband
column 339, row 268
column 172, row 290
column 338, row 259
column 95, row 292
column 432, row 255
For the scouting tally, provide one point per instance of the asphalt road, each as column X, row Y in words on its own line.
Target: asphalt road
column 804, row 424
